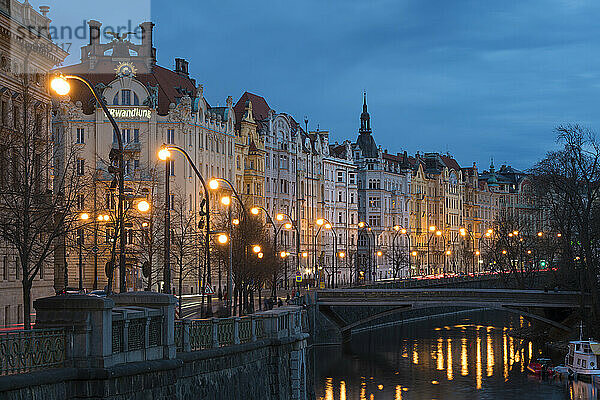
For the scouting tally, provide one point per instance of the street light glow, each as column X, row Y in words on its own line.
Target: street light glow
column 320, row 221
column 283, row 254
column 328, row 226
column 342, row 254
column 226, row 200
column 235, row 221
column 60, row 85
column 379, row 253
column 516, row 233
column 403, row 231
column 463, row 231
column 438, row 233
column 361, row 224
column 477, row 252
column 397, row 227
column 84, row 216
column 540, row 234
column 143, row 206
column 414, row 253
column 144, row 224
column 223, row 238
column 213, row 184
column 256, row 248
column 287, row 225
column 304, row 254
column 448, row 252
column 164, row 154
column 490, row 231
column 432, row 228
column 260, row 255
column 254, row 210
column 503, row 251
column 106, row 217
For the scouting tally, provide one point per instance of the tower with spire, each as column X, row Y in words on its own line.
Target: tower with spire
column 365, row 140
column 365, row 118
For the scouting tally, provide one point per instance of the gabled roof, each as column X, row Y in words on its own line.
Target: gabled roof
column 260, row 108
column 450, row 162
column 171, row 85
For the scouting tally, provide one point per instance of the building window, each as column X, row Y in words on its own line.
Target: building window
column 340, row 196
column 80, row 202
column 352, row 198
column 136, row 165
column 172, row 201
column 136, row 136
column 340, row 176
column 352, row 178
column 126, row 97
column 374, row 220
column 374, row 202
column 170, row 136
column 80, row 135
column 80, row 167
column 126, row 135
column 172, row 168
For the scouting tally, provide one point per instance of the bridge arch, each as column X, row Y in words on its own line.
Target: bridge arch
column 347, row 329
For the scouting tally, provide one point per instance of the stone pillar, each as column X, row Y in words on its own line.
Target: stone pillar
column 88, row 323
column 161, row 301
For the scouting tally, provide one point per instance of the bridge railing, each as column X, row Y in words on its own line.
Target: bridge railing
column 201, row 334
column 31, row 350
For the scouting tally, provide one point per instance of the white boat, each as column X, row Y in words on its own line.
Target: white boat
column 582, row 358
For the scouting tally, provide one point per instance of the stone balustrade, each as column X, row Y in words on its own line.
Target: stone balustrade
column 199, row 334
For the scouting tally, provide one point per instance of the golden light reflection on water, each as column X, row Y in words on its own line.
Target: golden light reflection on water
column 440, row 354
column 464, row 368
column 398, row 395
column 505, row 351
column 449, row 372
column 328, row 389
column 415, row 354
column 487, row 350
column 489, row 358
column 478, row 363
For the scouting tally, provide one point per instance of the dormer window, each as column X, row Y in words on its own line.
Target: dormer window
column 125, row 97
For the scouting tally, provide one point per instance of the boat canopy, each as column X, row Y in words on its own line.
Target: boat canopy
column 595, row 348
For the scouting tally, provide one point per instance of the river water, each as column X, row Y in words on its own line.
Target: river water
column 459, row 357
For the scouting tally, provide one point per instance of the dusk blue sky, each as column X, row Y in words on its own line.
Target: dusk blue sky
column 478, row 79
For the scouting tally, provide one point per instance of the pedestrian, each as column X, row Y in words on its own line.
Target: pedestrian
column 279, row 302
column 287, row 299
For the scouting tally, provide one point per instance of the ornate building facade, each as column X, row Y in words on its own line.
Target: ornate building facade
column 152, row 105
column 25, row 61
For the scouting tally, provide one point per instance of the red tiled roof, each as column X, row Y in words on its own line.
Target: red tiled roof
column 168, row 81
column 260, row 108
column 450, row 162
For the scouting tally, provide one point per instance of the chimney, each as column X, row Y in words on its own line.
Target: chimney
column 148, row 41
column 94, row 31
column 181, row 66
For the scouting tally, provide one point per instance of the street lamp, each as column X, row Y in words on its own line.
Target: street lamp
column 256, row 248
column 223, row 239
column 255, row 211
column 143, row 206
column 164, row 154
column 371, row 245
column 61, row 86
column 289, row 225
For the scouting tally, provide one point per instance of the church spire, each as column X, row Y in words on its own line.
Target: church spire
column 365, row 118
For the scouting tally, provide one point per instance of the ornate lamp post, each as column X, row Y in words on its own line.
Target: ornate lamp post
column 61, row 86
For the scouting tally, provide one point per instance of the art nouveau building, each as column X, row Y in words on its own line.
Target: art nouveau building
column 384, row 184
column 152, row 105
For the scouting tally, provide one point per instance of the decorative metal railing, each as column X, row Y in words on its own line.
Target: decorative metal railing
column 199, row 334
column 30, row 350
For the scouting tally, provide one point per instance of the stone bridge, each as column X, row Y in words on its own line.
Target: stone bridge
column 347, row 309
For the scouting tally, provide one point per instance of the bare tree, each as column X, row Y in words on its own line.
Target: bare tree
column 37, row 213
column 183, row 244
column 570, row 179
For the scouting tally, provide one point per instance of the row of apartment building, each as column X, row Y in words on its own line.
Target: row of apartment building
column 388, row 214
column 367, row 195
